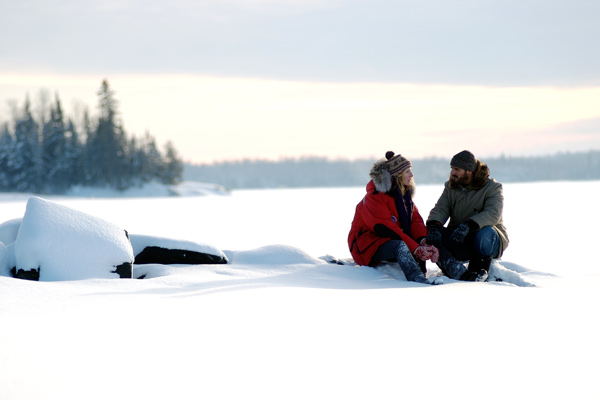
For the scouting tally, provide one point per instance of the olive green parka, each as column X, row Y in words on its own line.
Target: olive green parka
column 482, row 201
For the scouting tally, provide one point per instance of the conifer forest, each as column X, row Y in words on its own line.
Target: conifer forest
column 50, row 154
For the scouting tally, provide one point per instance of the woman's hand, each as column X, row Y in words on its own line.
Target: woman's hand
column 427, row 252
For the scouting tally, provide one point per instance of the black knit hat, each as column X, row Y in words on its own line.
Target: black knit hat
column 465, row 160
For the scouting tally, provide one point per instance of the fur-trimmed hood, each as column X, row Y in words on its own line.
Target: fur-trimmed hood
column 382, row 178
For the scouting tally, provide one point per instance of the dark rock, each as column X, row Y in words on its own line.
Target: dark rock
column 31, row 275
column 160, row 255
column 124, row 270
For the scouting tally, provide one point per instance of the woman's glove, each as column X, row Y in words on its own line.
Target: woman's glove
column 427, row 252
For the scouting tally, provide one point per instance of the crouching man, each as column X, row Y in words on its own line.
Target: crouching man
column 475, row 233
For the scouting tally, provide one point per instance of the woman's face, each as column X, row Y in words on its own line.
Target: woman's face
column 407, row 176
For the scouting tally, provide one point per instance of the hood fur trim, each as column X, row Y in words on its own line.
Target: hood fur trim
column 381, row 176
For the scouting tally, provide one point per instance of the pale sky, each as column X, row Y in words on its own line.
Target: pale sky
column 229, row 79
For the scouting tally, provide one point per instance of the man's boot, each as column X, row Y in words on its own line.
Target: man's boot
column 478, row 263
column 479, row 266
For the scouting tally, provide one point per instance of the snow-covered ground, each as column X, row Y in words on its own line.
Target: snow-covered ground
column 280, row 322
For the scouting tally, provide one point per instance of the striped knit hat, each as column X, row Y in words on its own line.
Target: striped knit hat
column 397, row 163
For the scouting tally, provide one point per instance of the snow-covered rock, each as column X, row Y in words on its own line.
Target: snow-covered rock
column 4, row 260
column 159, row 250
column 9, row 230
column 62, row 243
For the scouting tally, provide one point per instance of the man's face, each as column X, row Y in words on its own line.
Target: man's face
column 460, row 176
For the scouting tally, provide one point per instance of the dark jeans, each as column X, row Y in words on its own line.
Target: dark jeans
column 478, row 248
column 482, row 243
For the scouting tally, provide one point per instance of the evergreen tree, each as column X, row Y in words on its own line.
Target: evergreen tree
column 173, row 166
column 152, row 159
column 26, row 159
column 59, row 157
column 90, row 155
column 74, row 156
column 6, row 148
column 56, row 167
column 109, row 142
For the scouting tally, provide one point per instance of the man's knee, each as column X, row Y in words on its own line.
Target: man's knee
column 487, row 242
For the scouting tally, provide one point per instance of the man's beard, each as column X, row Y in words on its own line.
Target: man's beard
column 456, row 181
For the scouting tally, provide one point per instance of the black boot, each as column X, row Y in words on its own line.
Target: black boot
column 474, row 276
column 468, row 276
column 477, row 263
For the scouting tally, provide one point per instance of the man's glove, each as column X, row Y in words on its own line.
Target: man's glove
column 434, row 233
column 459, row 234
column 435, row 254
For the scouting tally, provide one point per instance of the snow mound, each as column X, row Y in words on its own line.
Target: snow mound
column 4, row 260
column 152, row 189
column 66, row 244
column 199, row 189
column 510, row 273
column 9, row 230
column 273, row 255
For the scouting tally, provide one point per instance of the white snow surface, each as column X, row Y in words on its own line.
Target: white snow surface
column 282, row 322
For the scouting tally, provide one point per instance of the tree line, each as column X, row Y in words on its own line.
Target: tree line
column 50, row 155
column 323, row 172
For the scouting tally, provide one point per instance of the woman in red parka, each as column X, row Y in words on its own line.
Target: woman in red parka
column 387, row 225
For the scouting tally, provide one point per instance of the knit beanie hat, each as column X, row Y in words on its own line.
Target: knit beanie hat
column 465, row 160
column 396, row 163
column 386, row 170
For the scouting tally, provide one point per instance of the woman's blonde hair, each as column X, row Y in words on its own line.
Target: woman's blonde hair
column 403, row 189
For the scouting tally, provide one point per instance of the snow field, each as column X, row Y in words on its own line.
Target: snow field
column 279, row 321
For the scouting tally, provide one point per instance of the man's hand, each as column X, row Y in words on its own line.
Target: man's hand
column 459, row 234
column 434, row 233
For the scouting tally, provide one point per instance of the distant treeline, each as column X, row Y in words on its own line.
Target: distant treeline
column 48, row 154
column 323, row 172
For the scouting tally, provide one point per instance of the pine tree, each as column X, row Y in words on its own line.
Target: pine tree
column 58, row 157
column 54, row 142
column 74, row 156
column 153, row 160
column 6, row 148
column 26, row 159
column 90, row 154
column 173, row 166
column 109, row 141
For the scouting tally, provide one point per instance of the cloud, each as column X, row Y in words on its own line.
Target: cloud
column 483, row 42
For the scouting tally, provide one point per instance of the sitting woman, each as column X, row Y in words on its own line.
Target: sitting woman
column 387, row 225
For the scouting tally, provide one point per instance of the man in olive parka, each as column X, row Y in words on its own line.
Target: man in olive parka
column 473, row 202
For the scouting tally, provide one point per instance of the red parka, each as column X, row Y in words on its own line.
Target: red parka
column 377, row 209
